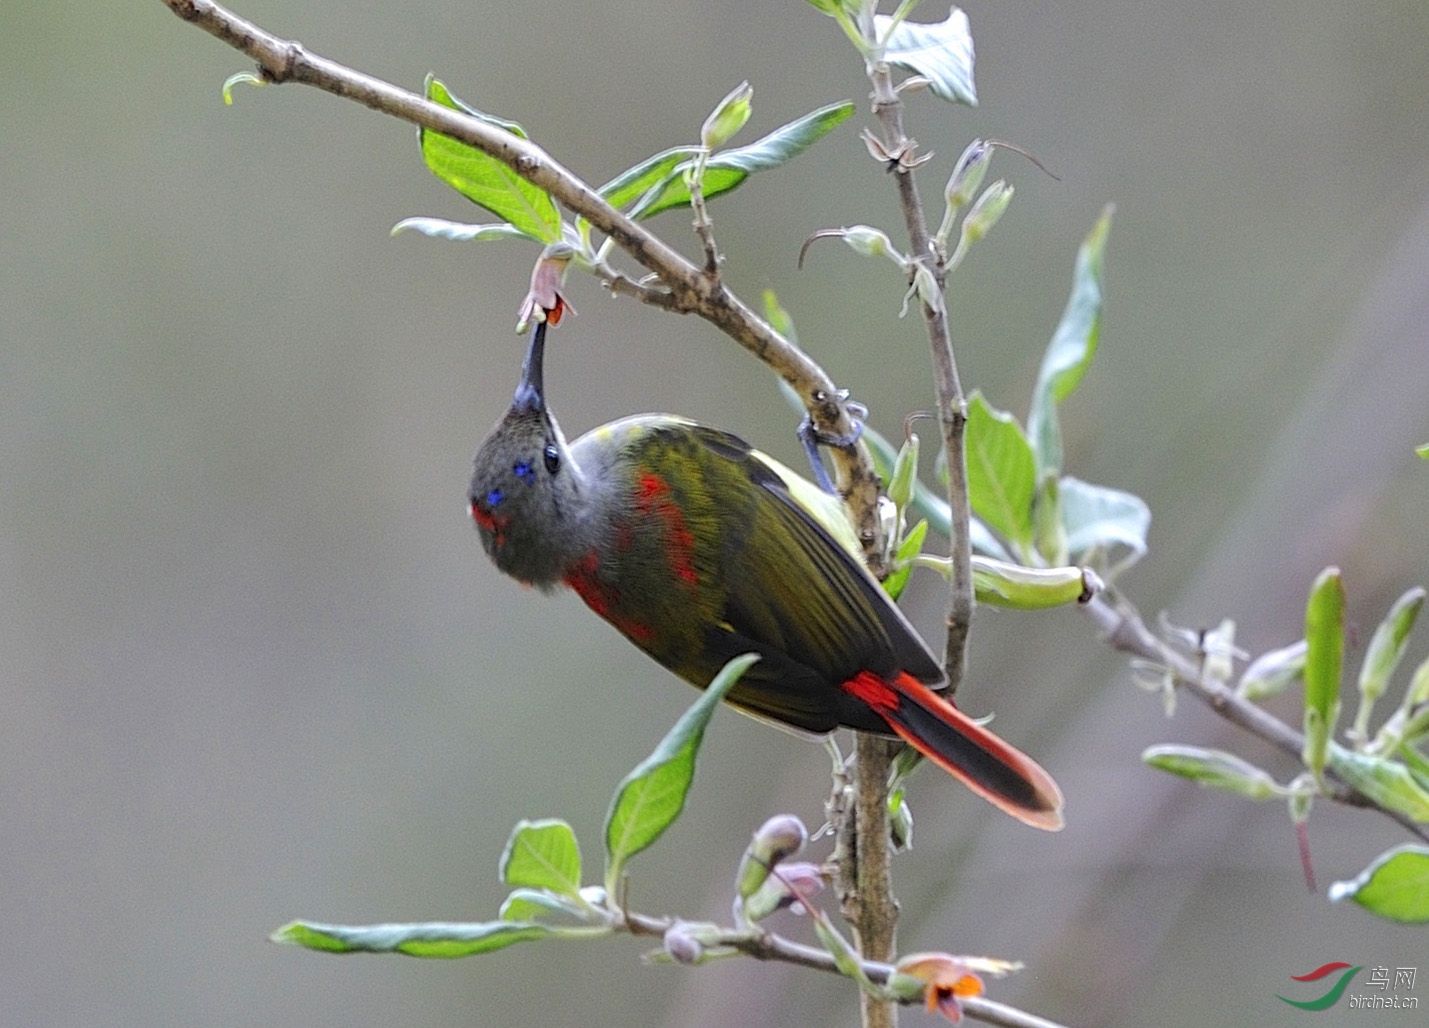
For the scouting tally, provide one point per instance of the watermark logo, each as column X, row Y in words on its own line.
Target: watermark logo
column 1336, row 977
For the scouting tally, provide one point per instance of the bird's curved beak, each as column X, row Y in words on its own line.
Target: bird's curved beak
column 530, row 391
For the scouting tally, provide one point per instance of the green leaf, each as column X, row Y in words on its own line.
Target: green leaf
column 1423, row 451
column 1001, row 472
column 529, row 904
column 1388, row 782
column 1049, row 527
column 1386, row 649
column 483, row 179
column 729, row 168
column 649, row 173
column 1071, row 350
column 444, row 940
column 1395, row 886
column 1324, row 658
column 942, row 53
column 441, row 228
column 1102, row 520
column 652, row 796
column 910, row 547
column 1214, row 769
column 783, row 323
column 927, row 504
column 543, row 855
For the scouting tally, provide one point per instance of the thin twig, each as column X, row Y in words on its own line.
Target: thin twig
column 763, row 945
column 952, row 410
column 690, row 290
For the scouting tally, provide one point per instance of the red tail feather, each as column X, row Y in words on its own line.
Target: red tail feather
column 996, row 771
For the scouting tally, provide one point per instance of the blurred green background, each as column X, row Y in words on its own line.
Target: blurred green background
column 255, row 666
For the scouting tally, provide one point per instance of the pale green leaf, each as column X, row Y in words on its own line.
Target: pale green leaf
column 444, row 940
column 1071, row 349
column 941, row 52
column 652, row 796
column 1395, row 886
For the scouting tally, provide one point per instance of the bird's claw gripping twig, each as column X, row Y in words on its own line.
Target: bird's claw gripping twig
column 812, row 438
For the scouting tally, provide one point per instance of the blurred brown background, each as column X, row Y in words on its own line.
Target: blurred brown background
column 254, row 665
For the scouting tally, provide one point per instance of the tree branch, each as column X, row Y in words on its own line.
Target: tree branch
column 690, row 290
column 1123, row 629
column 762, row 945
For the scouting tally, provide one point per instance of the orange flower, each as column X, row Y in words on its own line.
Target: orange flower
column 944, row 980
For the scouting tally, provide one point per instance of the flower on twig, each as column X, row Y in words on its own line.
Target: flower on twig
column 544, row 300
column 942, row 979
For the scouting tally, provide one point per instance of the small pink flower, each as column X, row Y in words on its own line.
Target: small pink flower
column 544, row 300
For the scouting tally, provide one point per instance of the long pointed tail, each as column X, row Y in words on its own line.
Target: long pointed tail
column 996, row 771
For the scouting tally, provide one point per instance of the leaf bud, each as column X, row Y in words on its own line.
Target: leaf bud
column 779, row 838
column 727, row 118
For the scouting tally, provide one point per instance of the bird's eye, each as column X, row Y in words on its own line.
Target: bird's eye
column 553, row 458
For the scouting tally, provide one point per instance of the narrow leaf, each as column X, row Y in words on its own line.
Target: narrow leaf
column 910, row 547
column 1070, row 352
column 654, row 170
column 729, row 168
column 529, row 904
column 942, row 53
column 483, row 179
column 652, row 796
column 1324, row 657
column 1395, row 886
column 1215, row 769
column 1101, row 520
column 1001, row 472
column 1386, row 648
column 543, row 855
column 441, row 228
column 1388, row 782
column 435, row 939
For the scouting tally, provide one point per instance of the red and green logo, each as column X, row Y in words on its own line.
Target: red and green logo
column 1332, row 996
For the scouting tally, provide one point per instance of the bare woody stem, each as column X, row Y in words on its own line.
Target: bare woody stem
column 952, row 409
column 689, row 289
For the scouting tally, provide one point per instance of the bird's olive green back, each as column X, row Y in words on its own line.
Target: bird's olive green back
column 709, row 555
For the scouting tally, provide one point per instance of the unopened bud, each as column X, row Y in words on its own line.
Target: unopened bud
column 727, row 118
column 968, row 174
column 682, row 946
column 867, row 240
column 1270, row 673
column 986, row 211
column 905, row 472
column 779, row 838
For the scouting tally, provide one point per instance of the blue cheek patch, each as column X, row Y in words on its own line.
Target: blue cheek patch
column 494, row 497
column 523, row 470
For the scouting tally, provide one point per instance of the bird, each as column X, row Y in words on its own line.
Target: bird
column 699, row 548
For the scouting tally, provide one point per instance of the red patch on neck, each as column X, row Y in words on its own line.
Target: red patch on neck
column 604, row 599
